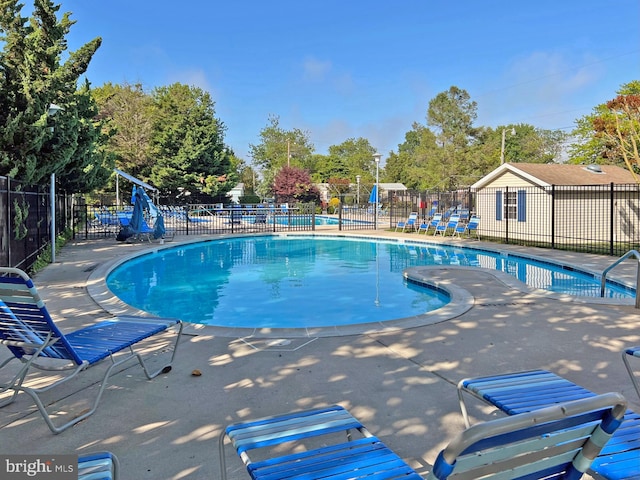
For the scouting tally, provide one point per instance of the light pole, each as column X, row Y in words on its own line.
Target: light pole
column 376, row 157
column 53, row 109
column 504, row 131
column 358, row 190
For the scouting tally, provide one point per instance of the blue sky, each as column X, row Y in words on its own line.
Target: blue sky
column 343, row 69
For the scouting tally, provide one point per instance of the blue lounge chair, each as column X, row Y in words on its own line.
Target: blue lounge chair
column 522, row 392
column 468, row 228
column 564, row 432
column 556, row 442
column 632, row 352
column 410, row 223
column 434, row 222
column 423, row 227
column 235, row 215
column 98, row 466
column 28, row 330
column 444, row 226
column 260, row 215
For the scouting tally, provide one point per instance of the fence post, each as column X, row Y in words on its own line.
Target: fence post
column 553, row 217
column 505, row 215
column 611, row 213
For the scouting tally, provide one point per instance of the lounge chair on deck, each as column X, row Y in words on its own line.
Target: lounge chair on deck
column 626, row 355
column 409, row 223
column 552, row 441
column 521, row 392
column 98, row 466
column 468, row 228
column 446, row 225
column 433, row 223
column 28, row 330
column 235, row 215
column 423, row 227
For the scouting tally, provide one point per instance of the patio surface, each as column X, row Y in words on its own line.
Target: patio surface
column 401, row 384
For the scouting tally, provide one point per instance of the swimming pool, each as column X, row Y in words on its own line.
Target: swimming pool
column 302, row 281
column 274, row 282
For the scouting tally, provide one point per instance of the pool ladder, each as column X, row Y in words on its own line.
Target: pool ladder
column 630, row 253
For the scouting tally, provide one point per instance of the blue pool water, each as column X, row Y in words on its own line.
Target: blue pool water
column 297, row 282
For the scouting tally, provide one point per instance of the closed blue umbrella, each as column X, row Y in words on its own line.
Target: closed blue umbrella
column 372, row 197
column 137, row 217
column 158, row 227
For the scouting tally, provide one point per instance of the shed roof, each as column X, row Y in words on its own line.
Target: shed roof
column 547, row 174
column 392, row 186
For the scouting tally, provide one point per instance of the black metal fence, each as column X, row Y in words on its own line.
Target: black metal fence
column 202, row 219
column 25, row 221
column 583, row 218
column 601, row 219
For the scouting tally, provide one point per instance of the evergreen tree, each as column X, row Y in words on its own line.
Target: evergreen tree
column 91, row 165
column 33, row 145
column 188, row 143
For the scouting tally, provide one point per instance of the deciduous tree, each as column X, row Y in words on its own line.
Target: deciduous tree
column 596, row 138
column 292, row 184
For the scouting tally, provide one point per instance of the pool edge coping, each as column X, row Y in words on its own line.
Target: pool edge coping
column 460, row 302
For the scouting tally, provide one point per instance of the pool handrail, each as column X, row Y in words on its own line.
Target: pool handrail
column 603, row 282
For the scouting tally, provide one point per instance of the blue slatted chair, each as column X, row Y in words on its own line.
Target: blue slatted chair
column 423, row 227
column 28, row 330
column 556, row 442
column 632, row 352
column 521, row 392
column 552, row 443
column 434, row 222
column 447, row 225
column 468, row 228
column 98, row 466
column 365, row 456
column 409, row 224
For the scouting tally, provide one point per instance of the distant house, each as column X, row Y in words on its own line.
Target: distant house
column 326, row 192
column 530, row 200
column 236, row 192
column 385, row 188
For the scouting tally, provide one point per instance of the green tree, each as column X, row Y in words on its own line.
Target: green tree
column 352, row 157
column 127, row 112
column 592, row 142
column 188, row 143
column 31, row 78
column 91, row 164
column 417, row 164
column 523, row 143
column 452, row 114
column 625, row 129
column 279, row 148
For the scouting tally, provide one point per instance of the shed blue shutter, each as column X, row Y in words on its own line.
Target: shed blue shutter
column 499, row 205
column 522, row 205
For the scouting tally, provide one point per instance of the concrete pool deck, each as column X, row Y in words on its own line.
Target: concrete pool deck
column 399, row 383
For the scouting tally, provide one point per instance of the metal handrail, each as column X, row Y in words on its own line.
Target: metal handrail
column 603, row 282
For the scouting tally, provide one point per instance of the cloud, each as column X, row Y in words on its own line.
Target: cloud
column 545, row 89
column 552, row 73
column 193, row 78
column 316, row 70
